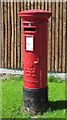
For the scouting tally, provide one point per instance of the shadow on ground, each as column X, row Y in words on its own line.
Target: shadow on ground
column 57, row 105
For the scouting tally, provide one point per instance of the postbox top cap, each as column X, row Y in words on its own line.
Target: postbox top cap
column 34, row 12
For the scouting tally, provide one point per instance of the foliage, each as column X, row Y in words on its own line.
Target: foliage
column 52, row 78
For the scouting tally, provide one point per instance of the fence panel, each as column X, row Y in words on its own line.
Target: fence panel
column 0, row 31
column 12, row 38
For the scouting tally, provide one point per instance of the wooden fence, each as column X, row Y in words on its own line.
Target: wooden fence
column 0, row 33
column 12, row 50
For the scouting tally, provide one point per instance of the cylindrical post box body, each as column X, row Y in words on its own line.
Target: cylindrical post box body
column 35, row 31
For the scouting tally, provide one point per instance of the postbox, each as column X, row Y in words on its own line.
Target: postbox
column 35, row 32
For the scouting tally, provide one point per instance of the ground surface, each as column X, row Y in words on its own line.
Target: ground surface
column 12, row 99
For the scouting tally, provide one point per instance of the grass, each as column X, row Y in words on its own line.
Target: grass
column 12, row 99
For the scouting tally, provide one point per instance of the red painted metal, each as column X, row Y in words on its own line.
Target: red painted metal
column 35, row 24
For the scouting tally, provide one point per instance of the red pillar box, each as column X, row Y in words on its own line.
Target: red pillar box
column 35, row 27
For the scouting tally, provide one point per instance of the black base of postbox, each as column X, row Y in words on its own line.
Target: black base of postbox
column 35, row 100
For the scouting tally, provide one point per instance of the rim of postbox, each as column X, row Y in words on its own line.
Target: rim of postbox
column 35, row 12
